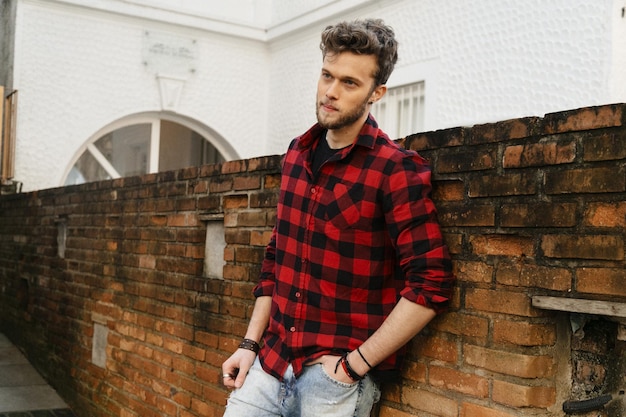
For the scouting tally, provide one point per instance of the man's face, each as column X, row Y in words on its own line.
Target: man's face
column 345, row 88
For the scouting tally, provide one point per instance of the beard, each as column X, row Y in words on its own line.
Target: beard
column 345, row 119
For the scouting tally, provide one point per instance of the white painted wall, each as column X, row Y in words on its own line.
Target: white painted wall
column 79, row 69
column 483, row 61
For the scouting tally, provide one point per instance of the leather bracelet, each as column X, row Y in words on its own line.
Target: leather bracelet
column 250, row 344
column 363, row 357
column 352, row 374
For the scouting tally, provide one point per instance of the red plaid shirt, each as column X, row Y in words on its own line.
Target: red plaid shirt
column 348, row 242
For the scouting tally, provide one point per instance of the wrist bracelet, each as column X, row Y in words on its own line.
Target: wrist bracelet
column 363, row 357
column 348, row 369
column 250, row 344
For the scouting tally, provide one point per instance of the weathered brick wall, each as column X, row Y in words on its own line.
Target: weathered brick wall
column 534, row 206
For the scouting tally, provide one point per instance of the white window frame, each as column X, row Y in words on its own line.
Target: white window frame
column 154, row 119
column 425, row 72
column 401, row 111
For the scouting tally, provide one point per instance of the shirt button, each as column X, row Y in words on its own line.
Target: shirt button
column 293, row 329
column 298, row 295
column 313, row 190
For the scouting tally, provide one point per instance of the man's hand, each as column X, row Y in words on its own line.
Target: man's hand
column 235, row 369
column 329, row 363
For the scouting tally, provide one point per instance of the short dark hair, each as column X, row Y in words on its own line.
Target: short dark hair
column 364, row 37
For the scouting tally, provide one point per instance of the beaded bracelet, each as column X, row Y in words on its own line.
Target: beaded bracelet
column 250, row 344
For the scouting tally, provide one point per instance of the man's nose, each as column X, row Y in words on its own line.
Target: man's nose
column 333, row 90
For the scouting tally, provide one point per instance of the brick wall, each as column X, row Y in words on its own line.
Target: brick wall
column 533, row 206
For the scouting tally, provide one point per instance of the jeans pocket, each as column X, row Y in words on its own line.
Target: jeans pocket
column 335, row 381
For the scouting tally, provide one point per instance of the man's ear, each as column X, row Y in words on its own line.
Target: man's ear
column 377, row 94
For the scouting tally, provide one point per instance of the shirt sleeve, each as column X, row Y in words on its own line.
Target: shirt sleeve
column 265, row 285
column 412, row 222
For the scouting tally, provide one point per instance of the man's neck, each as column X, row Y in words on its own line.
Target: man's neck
column 340, row 138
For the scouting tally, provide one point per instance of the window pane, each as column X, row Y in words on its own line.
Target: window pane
column 126, row 152
column 127, row 149
column 86, row 169
column 181, row 147
column 401, row 111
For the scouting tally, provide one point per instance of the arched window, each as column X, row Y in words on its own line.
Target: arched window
column 143, row 145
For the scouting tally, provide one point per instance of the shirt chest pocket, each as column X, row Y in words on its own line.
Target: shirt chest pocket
column 347, row 207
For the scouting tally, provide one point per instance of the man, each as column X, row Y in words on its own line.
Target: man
column 356, row 265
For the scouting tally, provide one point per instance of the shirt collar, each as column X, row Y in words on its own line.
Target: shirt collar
column 366, row 137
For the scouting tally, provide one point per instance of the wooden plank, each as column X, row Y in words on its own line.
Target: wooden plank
column 7, row 150
column 2, row 99
column 579, row 305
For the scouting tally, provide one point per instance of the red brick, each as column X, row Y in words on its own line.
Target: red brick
column 237, row 236
column 454, row 242
column 386, row 411
column 474, row 271
column 539, row 154
column 235, row 272
column 272, row 181
column 475, row 410
column 455, row 160
column 462, row 324
column 605, row 247
column 451, row 214
column 504, row 245
column 604, row 281
column 436, row 139
column 260, row 238
column 436, row 348
column 247, row 182
column 517, row 128
column 173, row 345
column 201, row 187
column 507, row 363
column 252, row 218
column 523, row 396
column 583, row 119
column 604, row 146
column 609, row 215
column 415, row 371
column 234, row 167
column 182, row 219
column 429, row 402
column 264, row 163
column 523, row 333
column 220, row 185
column 454, row 380
column 500, row 301
column 194, row 352
column 202, row 408
column 450, row 190
column 508, row 184
column 267, row 199
column 235, row 201
column 525, row 274
column 249, row 255
column 539, row 215
column 585, row 180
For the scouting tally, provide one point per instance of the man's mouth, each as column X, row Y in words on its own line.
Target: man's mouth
column 327, row 107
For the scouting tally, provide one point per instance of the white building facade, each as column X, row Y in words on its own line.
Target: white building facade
column 110, row 88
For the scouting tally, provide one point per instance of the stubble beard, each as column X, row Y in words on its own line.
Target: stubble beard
column 345, row 120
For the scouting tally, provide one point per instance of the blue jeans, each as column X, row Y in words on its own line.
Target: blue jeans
column 313, row 394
